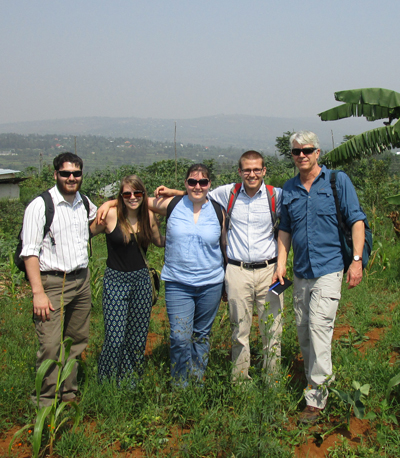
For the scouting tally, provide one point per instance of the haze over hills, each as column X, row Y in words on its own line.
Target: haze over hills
column 238, row 131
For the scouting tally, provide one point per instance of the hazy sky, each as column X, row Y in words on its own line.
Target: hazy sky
column 190, row 58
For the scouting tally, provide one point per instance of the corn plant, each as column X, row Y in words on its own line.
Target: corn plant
column 15, row 275
column 53, row 412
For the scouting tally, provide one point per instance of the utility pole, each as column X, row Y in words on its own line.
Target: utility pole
column 75, row 143
column 176, row 160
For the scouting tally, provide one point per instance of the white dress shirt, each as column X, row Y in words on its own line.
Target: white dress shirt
column 70, row 230
column 250, row 238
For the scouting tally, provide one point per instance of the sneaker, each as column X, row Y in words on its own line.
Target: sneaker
column 310, row 415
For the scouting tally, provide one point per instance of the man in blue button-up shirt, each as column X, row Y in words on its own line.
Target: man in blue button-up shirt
column 309, row 223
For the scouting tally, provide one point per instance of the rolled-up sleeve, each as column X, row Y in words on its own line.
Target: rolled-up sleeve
column 32, row 229
column 284, row 224
column 349, row 204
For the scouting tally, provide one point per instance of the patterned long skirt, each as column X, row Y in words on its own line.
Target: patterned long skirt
column 127, row 302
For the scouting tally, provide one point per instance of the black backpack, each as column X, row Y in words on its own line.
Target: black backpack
column 49, row 213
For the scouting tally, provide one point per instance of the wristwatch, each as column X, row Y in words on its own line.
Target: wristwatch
column 357, row 258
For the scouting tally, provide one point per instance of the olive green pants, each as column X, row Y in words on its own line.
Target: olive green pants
column 77, row 306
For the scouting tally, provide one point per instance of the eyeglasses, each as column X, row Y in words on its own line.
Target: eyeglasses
column 137, row 194
column 305, row 151
column 255, row 171
column 67, row 173
column 203, row 182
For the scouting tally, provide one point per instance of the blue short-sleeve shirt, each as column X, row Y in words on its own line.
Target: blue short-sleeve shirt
column 310, row 219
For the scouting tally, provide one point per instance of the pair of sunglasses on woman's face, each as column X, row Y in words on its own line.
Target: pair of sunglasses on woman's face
column 67, row 173
column 203, row 182
column 136, row 194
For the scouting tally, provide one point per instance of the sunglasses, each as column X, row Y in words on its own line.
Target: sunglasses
column 127, row 194
column 67, row 173
column 203, row 182
column 305, row 151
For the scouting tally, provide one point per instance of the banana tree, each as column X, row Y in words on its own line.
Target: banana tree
column 373, row 104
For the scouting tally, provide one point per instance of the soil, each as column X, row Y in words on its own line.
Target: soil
column 359, row 430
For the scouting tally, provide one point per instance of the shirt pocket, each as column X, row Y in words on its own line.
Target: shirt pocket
column 325, row 203
column 295, row 209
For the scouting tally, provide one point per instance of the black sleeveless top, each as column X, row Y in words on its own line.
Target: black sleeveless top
column 121, row 256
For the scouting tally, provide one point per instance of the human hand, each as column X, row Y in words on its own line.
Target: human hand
column 279, row 273
column 163, row 191
column 42, row 306
column 354, row 274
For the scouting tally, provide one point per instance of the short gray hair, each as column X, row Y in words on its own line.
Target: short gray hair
column 304, row 137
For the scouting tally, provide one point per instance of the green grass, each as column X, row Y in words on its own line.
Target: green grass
column 218, row 419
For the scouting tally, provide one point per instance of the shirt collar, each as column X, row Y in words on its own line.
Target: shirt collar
column 58, row 197
column 261, row 190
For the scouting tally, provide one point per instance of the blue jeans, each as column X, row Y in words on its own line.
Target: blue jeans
column 191, row 312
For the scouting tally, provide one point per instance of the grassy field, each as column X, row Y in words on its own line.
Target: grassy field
column 219, row 419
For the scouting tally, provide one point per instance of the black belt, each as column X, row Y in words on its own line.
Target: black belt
column 252, row 265
column 59, row 273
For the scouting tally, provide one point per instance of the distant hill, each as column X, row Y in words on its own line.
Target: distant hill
column 237, row 131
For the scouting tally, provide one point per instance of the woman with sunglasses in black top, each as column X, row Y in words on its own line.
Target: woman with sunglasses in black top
column 127, row 290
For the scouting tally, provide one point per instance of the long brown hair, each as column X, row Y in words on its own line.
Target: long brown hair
column 144, row 230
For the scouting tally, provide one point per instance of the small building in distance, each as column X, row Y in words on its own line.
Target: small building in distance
column 9, row 188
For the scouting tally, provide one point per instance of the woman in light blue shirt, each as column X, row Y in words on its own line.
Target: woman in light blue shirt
column 193, row 272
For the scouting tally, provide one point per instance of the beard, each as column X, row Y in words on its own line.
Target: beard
column 68, row 190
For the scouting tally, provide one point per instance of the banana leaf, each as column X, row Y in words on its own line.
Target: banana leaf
column 372, row 103
column 370, row 96
column 374, row 141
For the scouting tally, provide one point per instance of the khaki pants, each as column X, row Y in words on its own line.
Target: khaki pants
column 315, row 304
column 246, row 287
column 77, row 307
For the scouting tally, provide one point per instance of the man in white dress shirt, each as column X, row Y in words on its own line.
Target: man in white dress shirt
column 252, row 253
column 62, row 250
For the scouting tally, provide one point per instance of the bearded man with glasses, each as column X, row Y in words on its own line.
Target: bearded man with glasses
column 48, row 257
column 309, row 223
column 252, row 254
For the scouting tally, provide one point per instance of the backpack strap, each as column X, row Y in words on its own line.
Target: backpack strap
column 232, row 198
column 173, row 203
column 231, row 202
column 346, row 231
column 271, row 194
column 49, row 214
column 218, row 211
column 86, row 204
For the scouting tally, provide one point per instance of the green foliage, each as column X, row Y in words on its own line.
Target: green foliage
column 282, row 144
column 373, row 103
column 354, row 400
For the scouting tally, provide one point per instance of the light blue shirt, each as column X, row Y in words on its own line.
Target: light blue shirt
column 250, row 238
column 192, row 251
